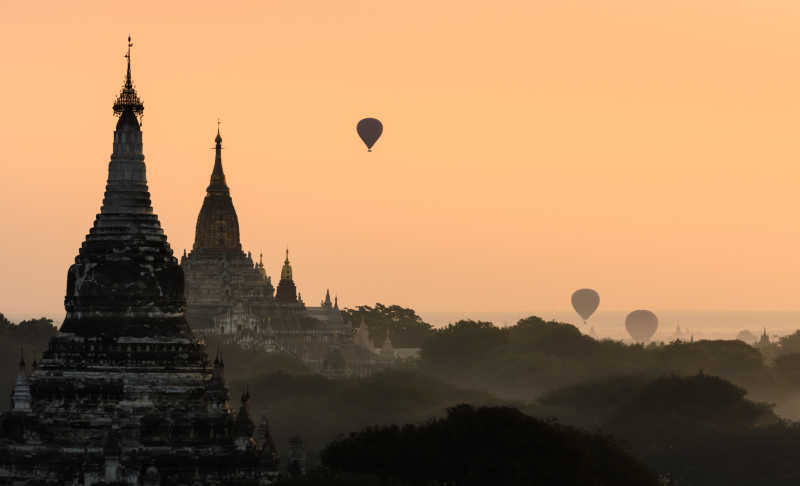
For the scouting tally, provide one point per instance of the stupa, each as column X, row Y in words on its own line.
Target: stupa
column 125, row 394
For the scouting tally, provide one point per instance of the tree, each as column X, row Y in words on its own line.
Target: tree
column 789, row 344
column 702, row 430
column 487, row 445
column 787, row 368
column 462, row 345
column 5, row 324
column 406, row 328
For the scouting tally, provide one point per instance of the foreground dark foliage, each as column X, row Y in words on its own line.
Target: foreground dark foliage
column 490, row 445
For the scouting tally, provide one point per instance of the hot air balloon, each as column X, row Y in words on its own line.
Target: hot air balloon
column 369, row 129
column 641, row 325
column 585, row 302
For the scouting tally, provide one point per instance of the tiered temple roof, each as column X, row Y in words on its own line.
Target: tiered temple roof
column 217, row 228
column 125, row 394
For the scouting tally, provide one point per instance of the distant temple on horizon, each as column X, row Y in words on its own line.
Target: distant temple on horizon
column 125, row 394
column 231, row 297
column 219, row 275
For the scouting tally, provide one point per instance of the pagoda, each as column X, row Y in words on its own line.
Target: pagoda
column 287, row 291
column 125, row 394
column 220, row 276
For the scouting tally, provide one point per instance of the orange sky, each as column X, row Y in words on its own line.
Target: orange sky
column 646, row 149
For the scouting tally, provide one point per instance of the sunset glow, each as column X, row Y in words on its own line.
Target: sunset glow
column 644, row 149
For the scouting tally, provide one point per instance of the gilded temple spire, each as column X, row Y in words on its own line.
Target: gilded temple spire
column 287, row 291
column 286, row 271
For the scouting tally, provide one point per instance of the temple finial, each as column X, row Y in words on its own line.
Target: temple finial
column 128, row 81
column 219, row 137
column 128, row 99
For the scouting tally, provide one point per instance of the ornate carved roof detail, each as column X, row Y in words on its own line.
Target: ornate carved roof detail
column 128, row 100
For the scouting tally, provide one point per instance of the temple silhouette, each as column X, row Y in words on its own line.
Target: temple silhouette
column 125, row 394
column 230, row 296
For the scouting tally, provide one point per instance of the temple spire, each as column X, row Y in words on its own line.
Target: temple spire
column 128, row 100
column 286, row 271
column 287, row 291
column 327, row 302
column 125, row 280
column 128, row 80
column 218, row 183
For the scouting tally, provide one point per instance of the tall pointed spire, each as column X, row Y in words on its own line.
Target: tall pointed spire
column 327, row 303
column 128, row 100
column 286, row 292
column 128, row 80
column 126, row 280
column 217, row 227
column 286, row 271
column 218, row 184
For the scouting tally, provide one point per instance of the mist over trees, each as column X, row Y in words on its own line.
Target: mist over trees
column 523, row 361
column 319, row 409
column 681, row 409
column 690, row 430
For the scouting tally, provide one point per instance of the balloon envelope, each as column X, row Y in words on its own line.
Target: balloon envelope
column 369, row 129
column 641, row 325
column 585, row 302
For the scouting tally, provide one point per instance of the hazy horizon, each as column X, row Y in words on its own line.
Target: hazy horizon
column 700, row 324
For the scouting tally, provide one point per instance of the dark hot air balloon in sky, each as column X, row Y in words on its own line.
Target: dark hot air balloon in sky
column 641, row 325
column 585, row 302
column 369, row 129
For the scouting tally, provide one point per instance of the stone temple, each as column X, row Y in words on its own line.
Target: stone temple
column 218, row 272
column 228, row 295
column 125, row 394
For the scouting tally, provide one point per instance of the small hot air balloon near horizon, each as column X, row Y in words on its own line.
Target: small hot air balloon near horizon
column 585, row 302
column 369, row 129
column 641, row 325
